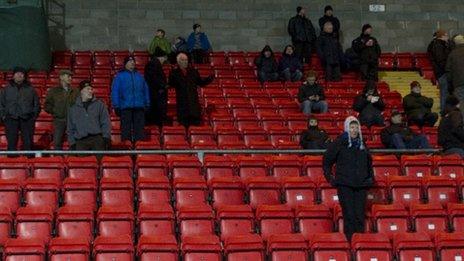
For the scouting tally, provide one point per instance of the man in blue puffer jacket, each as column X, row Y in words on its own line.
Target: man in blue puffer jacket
column 130, row 97
column 198, row 45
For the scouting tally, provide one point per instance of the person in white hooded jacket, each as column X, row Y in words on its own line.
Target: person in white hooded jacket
column 353, row 176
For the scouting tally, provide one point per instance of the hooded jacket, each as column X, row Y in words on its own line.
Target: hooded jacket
column 451, row 130
column 301, row 29
column 290, row 61
column 159, row 42
column 353, row 161
column 19, row 101
column 204, row 42
column 130, row 91
column 266, row 64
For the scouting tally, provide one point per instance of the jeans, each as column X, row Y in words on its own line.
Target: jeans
column 292, row 76
column 417, row 142
column 443, row 84
column 12, row 129
column 132, row 124
column 352, row 201
column 308, row 106
column 268, row 76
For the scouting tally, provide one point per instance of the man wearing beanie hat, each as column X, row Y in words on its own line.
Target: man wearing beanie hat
column 368, row 50
column 89, row 125
column 455, row 69
column 328, row 17
column 19, row 108
column 400, row 136
column 57, row 103
column 451, row 128
column 198, row 45
column 156, row 80
column 303, row 35
column 418, row 107
column 438, row 51
column 130, row 97
column 314, row 138
column 160, row 41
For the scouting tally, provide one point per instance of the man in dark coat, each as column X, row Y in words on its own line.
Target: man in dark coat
column 418, row 107
column 186, row 81
column 438, row 51
column 370, row 105
column 314, row 138
column 311, row 96
column 267, row 66
column 330, row 52
column 399, row 136
column 303, row 35
column 290, row 66
column 156, row 80
column 328, row 17
column 455, row 69
column 368, row 50
column 19, row 108
column 451, row 128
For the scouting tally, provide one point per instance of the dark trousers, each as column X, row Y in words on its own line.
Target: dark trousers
column 132, row 124
column 303, row 50
column 369, row 71
column 332, row 73
column 427, row 119
column 188, row 121
column 352, row 201
column 268, row 76
column 417, row 142
column 159, row 108
column 12, row 129
column 372, row 119
column 94, row 142
column 199, row 56
column 59, row 129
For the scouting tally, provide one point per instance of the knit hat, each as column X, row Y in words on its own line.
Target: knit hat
column 298, row 9
column 346, row 125
column 365, row 27
column 19, row 69
column 414, row 84
column 327, row 8
column 128, row 58
column 195, row 26
column 439, row 33
column 84, row 83
column 452, row 101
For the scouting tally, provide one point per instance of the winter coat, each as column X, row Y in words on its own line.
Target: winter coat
column 301, row 29
column 290, row 61
column 314, row 136
column 204, row 42
column 161, row 43
column 264, row 64
column 335, row 22
column 438, row 51
column 58, row 101
column 353, row 164
column 130, row 91
column 186, row 86
column 366, row 108
column 154, row 76
column 367, row 54
column 417, row 105
column 455, row 67
column 451, row 130
column 82, row 122
column 181, row 46
column 329, row 49
column 19, row 101
column 387, row 133
column 307, row 90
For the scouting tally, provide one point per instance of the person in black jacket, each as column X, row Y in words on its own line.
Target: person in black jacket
column 267, row 66
column 353, row 175
column 330, row 52
column 328, row 17
column 186, row 81
column 368, row 50
column 156, row 81
column 418, row 107
column 438, row 51
column 311, row 96
column 303, row 35
column 451, row 128
column 399, row 136
column 370, row 105
column 290, row 66
column 19, row 108
column 314, row 138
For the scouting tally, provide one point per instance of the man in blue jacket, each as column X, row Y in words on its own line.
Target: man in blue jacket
column 130, row 97
column 198, row 45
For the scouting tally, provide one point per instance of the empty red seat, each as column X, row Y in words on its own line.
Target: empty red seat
column 205, row 247
column 24, row 249
column 195, row 220
column 48, row 168
column 115, row 221
column 329, row 246
column 14, row 168
column 456, row 215
column 34, row 223
column 405, row 190
column 80, row 192
column 313, row 219
column 6, row 220
column 151, row 166
column 153, row 190
column 440, row 190
column 244, row 247
column 287, row 247
column 450, row 166
column 312, row 167
column 285, row 166
column 417, row 165
column 339, row 221
column 235, row 220
column 371, row 247
column 263, row 190
column 82, row 59
column 226, row 191
column 77, row 249
column 162, row 247
column 184, row 166
column 450, row 246
column 429, row 218
column 298, row 191
column 218, row 166
column 385, row 165
column 113, row 248
column 413, row 246
column 155, row 220
column 116, row 167
column 82, row 167
column 386, row 61
column 41, row 192
column 190, row 191
column 116, row 192
column 378, row 193
column 10, row 194
column 252, row 167
column 75, row 222
column 328, row 193
column 390, row 219
column 274, row 219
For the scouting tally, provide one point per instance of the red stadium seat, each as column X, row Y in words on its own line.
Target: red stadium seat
column 386, row 61
column 385, row 165
column 417, row 165
column 390, row 219
column 218, row 166
column 298, row 191
column 329, row 246
column 429, row 218
column 69, row 249
column 206, row 248
column 274, row 219
column 328, row 194
column 413, row 246
column 314, row 219
column 14, row 168
column 82, row 167
column 450, row 246
column 163, row 247
column 34, row 223
column 151, row 166
column 6, row 220
column 113, row 248
column 79, row 192
column 153, row 191
column 371, row 247
column 155, row 220
column 244, row 247
column 263, row 190
column 450, row 166
column 378, row 193
column 287, row 247
column 251, row 167
column 456, row 215
column 404, row 61
column 195, row 220
column 190, row 191
column 184, row 166
column 10, row 194
column 41, row 192
column 82, row 59
column 115, row 221
column 48, row 168
column 312, row 167
column 24, row 249
column 75, row 222
column 116, row 167
column 440, row 190
column 235, row 220
column 405, row 190
column 116, row 192
column 285, row 166
column 226, row 191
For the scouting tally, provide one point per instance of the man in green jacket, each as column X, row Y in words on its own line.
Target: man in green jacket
column 57, row 103
column 161, row 42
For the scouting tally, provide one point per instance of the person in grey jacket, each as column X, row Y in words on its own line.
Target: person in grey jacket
column 89, row 125
column 19, row 108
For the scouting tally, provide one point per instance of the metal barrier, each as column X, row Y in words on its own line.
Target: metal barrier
column 199, row 153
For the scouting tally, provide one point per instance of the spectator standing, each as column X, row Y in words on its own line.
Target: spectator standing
column 160, row 41
column 451, row 128
column 156, row 80
column 455, row 69
column 328, row 17
column 303, row 35
column 198, row 45
column 330, row 52
column 368, row 50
